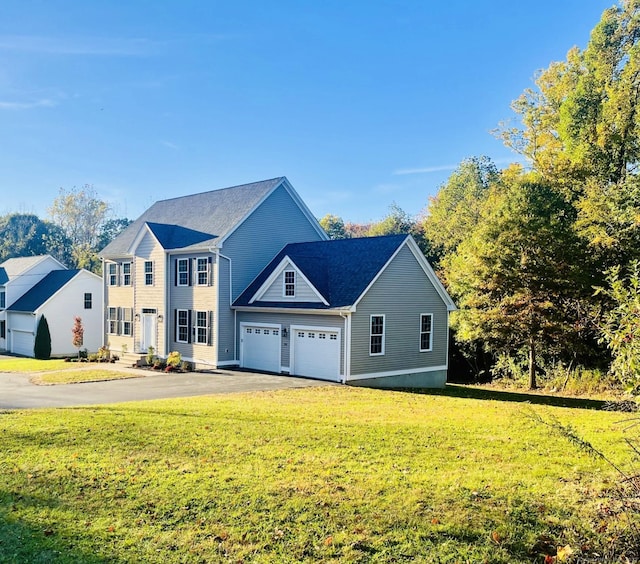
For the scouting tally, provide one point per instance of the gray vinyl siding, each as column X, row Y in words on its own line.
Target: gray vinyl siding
column 303, row 291
column 286, row 320
column 275, row 223
column 194, row 298
column 401, row 294
column 226, row 339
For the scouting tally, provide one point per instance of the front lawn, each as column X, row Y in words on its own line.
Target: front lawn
column 78, row 376
column 332, row 474
column 30, row 365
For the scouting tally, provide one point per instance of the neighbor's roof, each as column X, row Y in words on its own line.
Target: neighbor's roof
column 340, row 269
column 198, row 220
column 15, row 266
column 43, row 290
column 3, row 276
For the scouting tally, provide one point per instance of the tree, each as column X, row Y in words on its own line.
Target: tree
column 334, row 226
column 517, row 277
column 399, row 222
column 110, row 230
column 78, row 333
column 27, row 235
column 82, row 216
column 42, row 345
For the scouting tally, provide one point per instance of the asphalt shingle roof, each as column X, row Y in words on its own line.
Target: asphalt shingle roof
column 16, row 266
column 4, row 278
column 194, row 221
column 43, row 290
column 340, row 270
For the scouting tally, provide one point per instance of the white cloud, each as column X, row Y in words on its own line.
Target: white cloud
column 44, row 103
column 170, row 145
column 440, row 168
column 77, row 46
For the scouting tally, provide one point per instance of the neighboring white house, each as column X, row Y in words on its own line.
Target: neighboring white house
column 34, row 286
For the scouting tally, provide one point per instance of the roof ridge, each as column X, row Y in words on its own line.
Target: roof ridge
column 221, row 189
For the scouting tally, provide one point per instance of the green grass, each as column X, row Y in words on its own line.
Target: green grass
column 77, row 376
column 30, row 365
column 332, row 474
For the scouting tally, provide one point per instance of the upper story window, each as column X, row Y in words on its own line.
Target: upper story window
column 182, row 272
column 148, row 273
column 376, row 335
column 3, row 299
column 113, row 274
column 426, row 332
column 202, row 267
column 289, row 290
column 126, row 274
column 88, row 300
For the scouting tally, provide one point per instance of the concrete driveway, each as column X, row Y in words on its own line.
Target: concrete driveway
column 17, row 392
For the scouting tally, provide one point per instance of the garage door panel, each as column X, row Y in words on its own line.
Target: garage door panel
column 261, row 347
column 316, row 353
column 22, row 343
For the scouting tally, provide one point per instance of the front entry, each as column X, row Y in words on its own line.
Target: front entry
column 149, row 331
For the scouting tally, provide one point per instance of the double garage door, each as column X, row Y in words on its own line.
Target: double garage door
column 314, row 351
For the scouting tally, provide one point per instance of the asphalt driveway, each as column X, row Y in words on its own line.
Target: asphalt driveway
column 17, row 392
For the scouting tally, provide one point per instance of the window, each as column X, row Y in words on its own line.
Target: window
column 426, row 332
column 88, row 300
column 113, row 274
column 3, row 299
column 202, row 267
column 201, row 327
column 127, row 318
column 182, row 326
column 376, row 336
column 126, row 274
column 289, row 283
column 148, row 273
column 113, row 320
column 183, row 272
column 3, row 329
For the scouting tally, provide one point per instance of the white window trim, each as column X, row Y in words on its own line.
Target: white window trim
column 285, row 283
column 205, row 327
column 178, row 325
column 124, row 321
column 205, row 271
column 421, row 332
column 384, row 331
column 113, row 320
column 186, row 262
column 113, row 276
column 123, row 274
column 152, row 273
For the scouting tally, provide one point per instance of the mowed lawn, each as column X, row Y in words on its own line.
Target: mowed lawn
column 333, row 474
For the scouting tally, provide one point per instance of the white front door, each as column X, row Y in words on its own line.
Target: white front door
column 260, row 347
column 148, row 338
column 316, row 352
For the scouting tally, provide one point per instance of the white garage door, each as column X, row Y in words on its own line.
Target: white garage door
column 316, row 353
column 260, row 347
column 22, row 342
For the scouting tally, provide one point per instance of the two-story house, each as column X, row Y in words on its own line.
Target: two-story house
column 245, row 276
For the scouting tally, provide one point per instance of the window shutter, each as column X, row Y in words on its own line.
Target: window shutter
column 175, row 325
column 119, row 321
column 210, row 328
column 153, row 272
column 190, row 327
column 175, row 264
column 118, row 274
column 190, row 271
column 210, row 270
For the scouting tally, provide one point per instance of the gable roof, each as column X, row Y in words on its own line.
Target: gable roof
column 16, row 266
column 4, row 278
column 341, row 270
column 196, row 221
column 43, row 290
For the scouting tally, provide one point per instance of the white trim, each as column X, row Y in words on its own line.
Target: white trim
column 123, row 273
column 284, row 182
column 291, row 310
column 397, row 372
column 178, row 326
column 244, row 324
column 178, row 261
column 383, row 335
column 318, row 329
column 285, row 264
column 228, row 363
column 133, row 247
column 285, row 283
column 420, row 333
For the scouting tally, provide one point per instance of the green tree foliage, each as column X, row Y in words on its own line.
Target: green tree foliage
column 518, row 275
column 620, row 326
column 42, row 345
column 334, row 226
column 24, row 235
column 110, row 230
column 399, row 222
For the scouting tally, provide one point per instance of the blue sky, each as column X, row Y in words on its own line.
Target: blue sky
column 360, row 104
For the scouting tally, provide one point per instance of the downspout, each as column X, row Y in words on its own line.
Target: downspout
column 347, row 345
column 168, row 314
column 235, row 330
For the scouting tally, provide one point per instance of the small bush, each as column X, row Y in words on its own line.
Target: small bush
column 151, row 356
column 104, row 353
column 159, row 364
column 93, row 357
column 174, row 359
column 186, row 366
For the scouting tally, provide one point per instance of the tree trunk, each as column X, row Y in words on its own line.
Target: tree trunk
column 532, row 364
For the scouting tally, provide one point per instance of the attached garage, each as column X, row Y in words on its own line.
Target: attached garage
column 22, row 342
column 260, row 347
column 315, row 352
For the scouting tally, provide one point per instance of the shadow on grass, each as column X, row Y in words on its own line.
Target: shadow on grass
column 473, row 392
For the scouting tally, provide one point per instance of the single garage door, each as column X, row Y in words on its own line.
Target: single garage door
column 316, row 353
column 260, row 347
column 22, row 342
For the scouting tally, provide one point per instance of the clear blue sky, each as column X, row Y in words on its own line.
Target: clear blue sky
column 360, row 104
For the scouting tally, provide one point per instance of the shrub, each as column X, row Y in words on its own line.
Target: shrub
column 186, row 366
column 159, row 364
column 104, row 353
column 174, row 359
column 151, row 357
column 42, row 346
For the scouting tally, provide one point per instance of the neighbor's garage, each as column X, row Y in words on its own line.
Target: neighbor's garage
column 315, row 352
column 22, row 342
column 260, row 347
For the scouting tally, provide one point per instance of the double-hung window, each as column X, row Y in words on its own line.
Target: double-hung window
column 183, row 272
column 127, row 319
column 202, row 268
column 126, row 274
column 201, row 327
column 426, row 332
column 182, row 326
column 113, row 320
column 3, row 299
column 376, row 335
column 148, row 273
column 289, row 284
column 3, row 329
column 113, row 274
column 88, row 300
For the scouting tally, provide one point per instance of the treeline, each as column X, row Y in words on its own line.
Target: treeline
column 79, row 225
column 542, row 261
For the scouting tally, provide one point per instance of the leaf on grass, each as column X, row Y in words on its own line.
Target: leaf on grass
column 564, row 552
column 496, row 537
column 328, row 541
